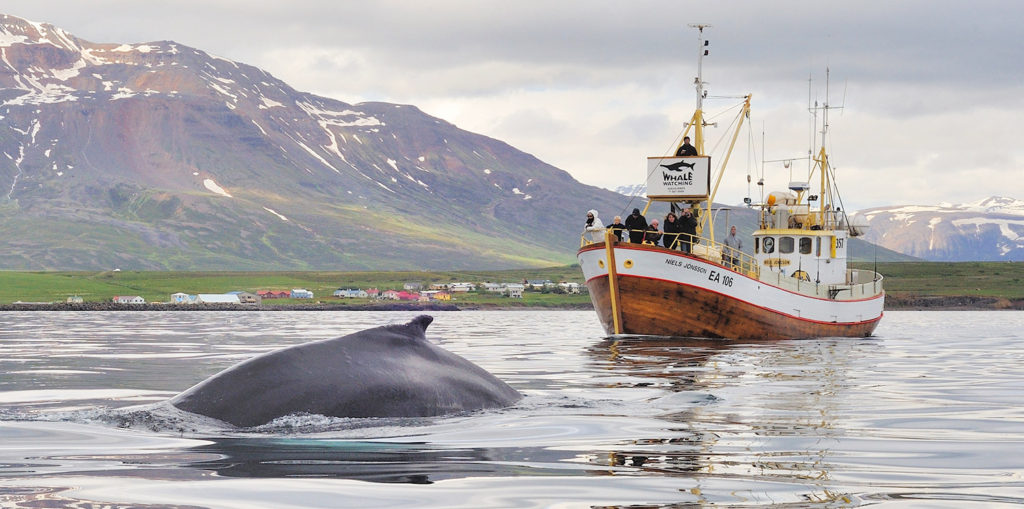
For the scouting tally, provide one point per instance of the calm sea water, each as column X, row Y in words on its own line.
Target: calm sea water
column 928, row 413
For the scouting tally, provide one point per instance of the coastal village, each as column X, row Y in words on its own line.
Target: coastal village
column 410, row 292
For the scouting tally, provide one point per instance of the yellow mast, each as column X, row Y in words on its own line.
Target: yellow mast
column 821, row 164
column 822, row 197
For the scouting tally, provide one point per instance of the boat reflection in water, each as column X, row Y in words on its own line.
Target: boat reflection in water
column 766, row 411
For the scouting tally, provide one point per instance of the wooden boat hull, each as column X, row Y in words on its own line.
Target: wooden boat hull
column 667, row 293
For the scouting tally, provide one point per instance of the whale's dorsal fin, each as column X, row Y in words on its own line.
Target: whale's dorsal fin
column 415, row 329
column 422, row 322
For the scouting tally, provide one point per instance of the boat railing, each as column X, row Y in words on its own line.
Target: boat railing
column 859, row 284
column 700, row 247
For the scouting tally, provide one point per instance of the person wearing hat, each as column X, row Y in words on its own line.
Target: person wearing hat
column 636, row 224
column 594, row 228
column 653, row 234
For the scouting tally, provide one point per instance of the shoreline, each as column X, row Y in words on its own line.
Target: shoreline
column 164, row 306
column 892, row 303
column 951, row 303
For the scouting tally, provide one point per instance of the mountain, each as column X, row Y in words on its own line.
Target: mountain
column 639, row 190
column 161, row 156
column 989, row 230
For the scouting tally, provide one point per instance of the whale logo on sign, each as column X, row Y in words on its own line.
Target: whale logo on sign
column 678, row 166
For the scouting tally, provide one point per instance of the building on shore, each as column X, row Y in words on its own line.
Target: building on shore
column 217, row 298
column 128, row 299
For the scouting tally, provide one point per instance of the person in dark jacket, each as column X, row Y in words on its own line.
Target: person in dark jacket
column 672, row 229
column 687, row 230
column 617, row 228
column 653, row 234
column 636, row 224
column 686, row 149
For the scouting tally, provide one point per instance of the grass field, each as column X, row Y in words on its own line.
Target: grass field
column 980, row 279
column 158, row 286
column 949, row 279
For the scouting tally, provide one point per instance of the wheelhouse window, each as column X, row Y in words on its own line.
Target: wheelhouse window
column 805, row 245
column 786, row 245
column 768, row 244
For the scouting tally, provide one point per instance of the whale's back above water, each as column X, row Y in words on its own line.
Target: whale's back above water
column 389, row 371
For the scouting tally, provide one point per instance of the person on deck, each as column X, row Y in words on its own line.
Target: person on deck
column 636, row 223
column 617, row 228
column 733, row 245
column 652, row 234
column 687, row 229
column 594, row 228
column 686, row 149
column 672, row 230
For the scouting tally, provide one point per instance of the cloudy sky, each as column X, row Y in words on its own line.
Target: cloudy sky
column 931, row 90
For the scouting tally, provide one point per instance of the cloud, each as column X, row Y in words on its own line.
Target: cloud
column 595, row 86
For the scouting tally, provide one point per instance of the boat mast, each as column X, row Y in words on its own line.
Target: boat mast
column 823, row 157
column 697, row 122
column 821, row 162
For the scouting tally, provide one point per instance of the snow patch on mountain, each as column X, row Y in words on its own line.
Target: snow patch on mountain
column 272, row 211
column 991, row 229
column 269, row 103
column 212, row 186
column 632, row 190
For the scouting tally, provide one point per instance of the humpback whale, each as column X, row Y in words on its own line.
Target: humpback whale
column 387, row 371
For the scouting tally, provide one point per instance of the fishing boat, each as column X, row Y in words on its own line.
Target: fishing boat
column 795, row 284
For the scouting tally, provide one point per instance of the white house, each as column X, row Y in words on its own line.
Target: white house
column 492, row 287
column 570, row 287
column 128, row 299
column 217, row 298
column 301, row 293
column 247, row 297
column 182, row 298
column 514, row 290
column 351, row 293
column 461, row 287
